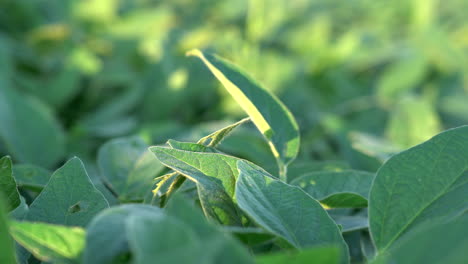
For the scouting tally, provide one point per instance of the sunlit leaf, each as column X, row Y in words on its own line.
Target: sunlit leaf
column 215, row 176
column 61, row 244
column 269, row 114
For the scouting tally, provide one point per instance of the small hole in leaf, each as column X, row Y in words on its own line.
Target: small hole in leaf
column 74, row 208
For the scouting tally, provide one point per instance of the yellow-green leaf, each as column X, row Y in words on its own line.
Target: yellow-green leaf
column 267, row 112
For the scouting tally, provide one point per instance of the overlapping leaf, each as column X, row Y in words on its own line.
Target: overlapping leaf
column 286, row 210
column 31, row 176
column 107, row 239
column 268, row 113
column 347, row 188
column 215, row 175
column 128, row 167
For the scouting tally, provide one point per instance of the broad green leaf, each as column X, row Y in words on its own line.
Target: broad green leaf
column 286, row 210
column 431, row 242
column 31, row 176
column 7, row 254
column 215, row 176
column 426, row 182
column 412, row 121
column 8, row 184
column 347, row 188
column 106, row 238
column 60, row 244
column 213, row 139
column 69, row 198
column 268, row 113
column 218, row 246
column 163, row 239
column 128, row 167
column 317, row 255
column 19, row 115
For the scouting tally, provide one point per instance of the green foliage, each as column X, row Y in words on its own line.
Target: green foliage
column 434, row 242
column 60, row 244
column 69, row 197
column 427, row 182
column 283, row 209
column 268, row 113
column 6, row 243
column 20, row 116
column 326, row 254
column 128, row 167
column 356, row 153
column 8, row 184
column 345, row 188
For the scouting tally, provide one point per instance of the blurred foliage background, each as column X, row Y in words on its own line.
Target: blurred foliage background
column 364, row 78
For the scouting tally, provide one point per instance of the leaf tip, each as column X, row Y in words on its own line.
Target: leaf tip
column 194, row 52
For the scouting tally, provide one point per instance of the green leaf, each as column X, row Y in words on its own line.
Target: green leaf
column 268, row 113
column 347, row 188
column 321, row 254
column 286, row 210
column 215, row 176
column 8, row 184
column 61, row 244
column 218, row 246
column 199, row 166
column 128, row 167
column 426, row 182
column 107, row 239
column 19, row 115
column 431, row 243
column 69, row 198
column 213, row 139
column 31, row 176
column 163, row 239
column 7, row 254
